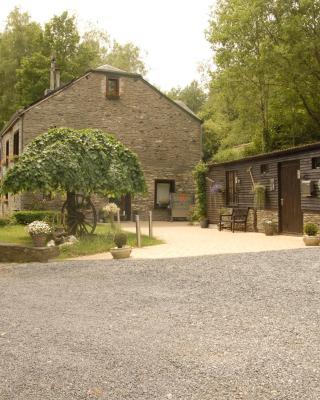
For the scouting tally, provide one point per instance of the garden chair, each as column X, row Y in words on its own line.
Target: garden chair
column 238, row 217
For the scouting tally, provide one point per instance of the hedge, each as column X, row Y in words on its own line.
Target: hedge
column 26, row 217
column 4, row 221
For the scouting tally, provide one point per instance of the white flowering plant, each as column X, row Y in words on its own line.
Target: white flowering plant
column 110, row 208
column 38, row 228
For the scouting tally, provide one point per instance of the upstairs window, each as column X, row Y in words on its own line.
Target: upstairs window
column 231, row 188
column 16, row 144
column 113, row 88
column 315, row 162
column 264, row 169
column 163, row 189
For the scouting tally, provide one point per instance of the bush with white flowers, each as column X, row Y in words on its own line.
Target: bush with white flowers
column 110, row 209
column 38, row 228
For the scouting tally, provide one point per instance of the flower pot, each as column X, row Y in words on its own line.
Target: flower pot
column 204, row 223
column 122, row 252
column 39, row 240
column 311, row 240
column 268, row 229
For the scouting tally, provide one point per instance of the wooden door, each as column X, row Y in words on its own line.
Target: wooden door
column 125, row 207
column 291, row 219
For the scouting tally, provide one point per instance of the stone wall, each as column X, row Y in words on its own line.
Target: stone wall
column 21, row 254
column 263, row 215
column 166, row 138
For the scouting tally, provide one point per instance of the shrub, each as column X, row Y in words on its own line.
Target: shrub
column 310, row 229
column 4, row 221
column 120, row 239
column 26, row 217
column 199, row 175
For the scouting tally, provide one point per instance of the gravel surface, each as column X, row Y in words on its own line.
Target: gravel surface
column 242, row 326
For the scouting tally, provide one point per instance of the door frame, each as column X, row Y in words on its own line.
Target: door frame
column 280, row 219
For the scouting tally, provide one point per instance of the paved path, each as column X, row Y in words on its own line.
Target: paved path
column 182, row 240
column 223, row 327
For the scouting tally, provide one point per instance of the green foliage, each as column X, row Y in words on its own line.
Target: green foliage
column 4, row 222
column 120, row 239
column 310, row 229
column 26, row 50
column 26, row 217
column 265, row 88
column 126, row 57
column 85, row 161
column 20, row 38
column 199, row 174
column 192, row 95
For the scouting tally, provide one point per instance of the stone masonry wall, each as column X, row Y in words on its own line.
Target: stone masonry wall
column 165, row 137
column 263, row 215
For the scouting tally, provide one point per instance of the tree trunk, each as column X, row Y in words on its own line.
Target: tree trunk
column 71, row 209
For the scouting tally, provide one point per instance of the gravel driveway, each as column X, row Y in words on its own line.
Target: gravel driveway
column 242, row 326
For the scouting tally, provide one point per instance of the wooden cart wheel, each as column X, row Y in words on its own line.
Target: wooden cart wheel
column 82, row 218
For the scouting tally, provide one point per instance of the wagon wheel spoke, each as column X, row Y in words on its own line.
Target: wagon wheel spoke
column 83, row 224
column 82, row 219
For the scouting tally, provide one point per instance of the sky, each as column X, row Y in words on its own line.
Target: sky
column 171, row 33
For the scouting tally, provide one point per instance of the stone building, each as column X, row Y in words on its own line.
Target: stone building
column 164, row 134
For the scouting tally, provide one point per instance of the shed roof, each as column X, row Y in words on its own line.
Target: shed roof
column 271, row 155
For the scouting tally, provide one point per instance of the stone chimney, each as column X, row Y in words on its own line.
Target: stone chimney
column 53, row 74
column 54, row 77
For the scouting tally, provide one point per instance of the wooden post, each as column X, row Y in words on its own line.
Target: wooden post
column 150, row 225
column 118, row 218
column 138, row 232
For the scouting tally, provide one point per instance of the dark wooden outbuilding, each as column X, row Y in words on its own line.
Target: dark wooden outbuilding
column 292, row 181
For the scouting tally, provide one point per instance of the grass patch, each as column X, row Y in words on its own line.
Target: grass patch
column 15, row 234
column 100, row 242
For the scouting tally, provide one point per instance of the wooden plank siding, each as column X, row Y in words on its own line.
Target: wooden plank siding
column 217, row 172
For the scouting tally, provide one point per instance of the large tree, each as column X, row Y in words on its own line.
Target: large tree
column 75, row 161
column 21, row 38
column 26, row 50
column 193, row 95
column 265, row 89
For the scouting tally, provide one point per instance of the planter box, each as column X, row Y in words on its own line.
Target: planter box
column 311, row 240
column 21, row 254
column 119, row 253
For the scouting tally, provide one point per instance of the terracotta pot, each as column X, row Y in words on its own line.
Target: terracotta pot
column 39, row 240
column 123, row 252
column 204, row 223
column 311, row 240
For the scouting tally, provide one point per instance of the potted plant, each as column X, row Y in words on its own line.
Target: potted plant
column 39, row 231
column 269, row 227
column 204, row 222
column 310, row 238
column 121, row 251
column 110, row 210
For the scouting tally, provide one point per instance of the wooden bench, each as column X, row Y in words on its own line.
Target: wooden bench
column 237, row 217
